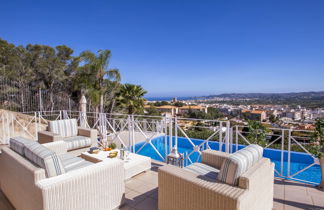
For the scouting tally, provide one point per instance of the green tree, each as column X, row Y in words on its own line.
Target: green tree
column 179, row 104
column 273, row 118
column 318, row 139
column 49, row 66
column 96, row 78
column 161, row 103
column 152, row 111
column 257, row 133
column 130, row 97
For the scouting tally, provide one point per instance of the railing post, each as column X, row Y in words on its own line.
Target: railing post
column 129, row 129
column 220, row 136
column 176, row 132
column 165, row 130
column 227, row 137
column 170, row 134
column 236, row 138
column 133, row 133
column 231, row 139
column 36, row 126
column 282, row 151
column 289, row 148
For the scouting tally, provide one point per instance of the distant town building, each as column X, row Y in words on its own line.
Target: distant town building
column 186, row 109
column 258, row 115
column 170, row 110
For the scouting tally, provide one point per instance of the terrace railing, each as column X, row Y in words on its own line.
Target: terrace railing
column 284, row 146
column 138, row 133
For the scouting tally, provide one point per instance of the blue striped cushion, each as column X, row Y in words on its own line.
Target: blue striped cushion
column 65, row 128
column 44, row 158
column 77, row 142
column 238, row 163
column 71, row 163
column 18, row 143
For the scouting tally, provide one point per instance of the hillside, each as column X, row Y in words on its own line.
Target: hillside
column 306, row 99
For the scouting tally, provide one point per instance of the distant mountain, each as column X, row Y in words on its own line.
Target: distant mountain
column 301, row 95
column 305, row 99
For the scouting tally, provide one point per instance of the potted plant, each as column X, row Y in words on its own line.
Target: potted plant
column 318, row 147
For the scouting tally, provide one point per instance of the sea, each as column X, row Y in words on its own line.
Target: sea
column 168, row 98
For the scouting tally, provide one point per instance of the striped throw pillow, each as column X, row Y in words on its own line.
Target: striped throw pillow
column 44, row 158
column 65, row 128
column 18, row 143
column 238, row 163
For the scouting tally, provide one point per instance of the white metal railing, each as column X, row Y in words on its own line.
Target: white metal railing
column 129, row 130
column 287, row 139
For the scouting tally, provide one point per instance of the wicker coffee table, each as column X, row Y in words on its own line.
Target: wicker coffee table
column 133, row 164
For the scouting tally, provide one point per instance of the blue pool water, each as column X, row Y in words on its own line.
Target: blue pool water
column 298, row 160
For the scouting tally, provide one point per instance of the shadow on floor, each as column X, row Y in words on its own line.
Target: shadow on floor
column 297, row 204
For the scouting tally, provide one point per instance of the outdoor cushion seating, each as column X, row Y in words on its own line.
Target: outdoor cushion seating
column 45, row 158
column 77, row 139
column 71, row 162
column 18, row 144
column 242, row 180
column 76, row 142
column 205, row 171
column 83, row 185
column 238, row 163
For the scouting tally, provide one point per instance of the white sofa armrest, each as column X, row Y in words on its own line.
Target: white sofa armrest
column 59, row 147
column 99, row 186
column 88, row 132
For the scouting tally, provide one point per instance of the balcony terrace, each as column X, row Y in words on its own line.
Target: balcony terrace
column 141, row 191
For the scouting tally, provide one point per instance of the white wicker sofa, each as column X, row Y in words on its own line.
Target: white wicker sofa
column 78, row 139
column 243, row 180
column 52, row 179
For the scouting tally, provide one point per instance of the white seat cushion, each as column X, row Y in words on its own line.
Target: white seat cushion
column 71, row 162
column 77, row 142
column 203, row 170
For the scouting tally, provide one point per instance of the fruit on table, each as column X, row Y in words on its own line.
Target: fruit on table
column 112, row 154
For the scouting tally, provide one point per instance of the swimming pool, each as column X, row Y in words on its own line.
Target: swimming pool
column 298, row 160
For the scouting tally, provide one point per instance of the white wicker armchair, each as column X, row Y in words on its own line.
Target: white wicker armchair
column 183, row 189
column 78, row 139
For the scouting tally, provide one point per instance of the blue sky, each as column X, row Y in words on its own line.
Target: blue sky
column 185, row 48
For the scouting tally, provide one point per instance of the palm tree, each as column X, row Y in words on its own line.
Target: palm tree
column 131, row 98
column 98, row 75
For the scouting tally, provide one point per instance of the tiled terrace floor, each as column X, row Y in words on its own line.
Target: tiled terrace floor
column 142, row 194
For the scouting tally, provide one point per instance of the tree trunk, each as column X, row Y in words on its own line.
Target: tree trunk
column 321, row 186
